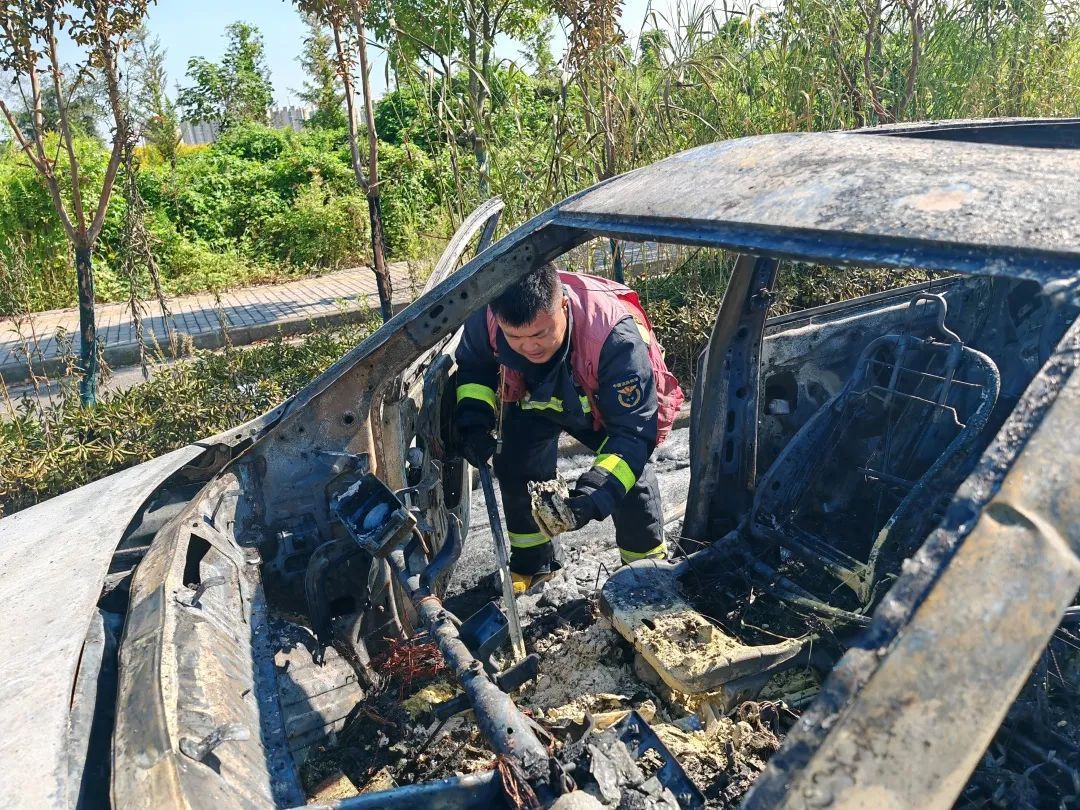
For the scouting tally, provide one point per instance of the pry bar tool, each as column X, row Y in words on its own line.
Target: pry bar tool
column 517, row 639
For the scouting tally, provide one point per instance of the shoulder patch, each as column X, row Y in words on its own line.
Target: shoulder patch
column 628, row 391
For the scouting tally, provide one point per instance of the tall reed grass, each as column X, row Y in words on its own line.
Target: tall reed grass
column 708, row 72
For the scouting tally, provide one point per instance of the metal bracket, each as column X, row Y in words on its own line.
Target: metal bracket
column 198, row 750
column 374, row 517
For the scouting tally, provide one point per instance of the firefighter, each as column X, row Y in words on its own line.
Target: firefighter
column 567, row 352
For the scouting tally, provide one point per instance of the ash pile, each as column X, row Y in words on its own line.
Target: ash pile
column 608, row 717
column 612, row 720
column 609, row 723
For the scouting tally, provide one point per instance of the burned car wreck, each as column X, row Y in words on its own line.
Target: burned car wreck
column 883, row 492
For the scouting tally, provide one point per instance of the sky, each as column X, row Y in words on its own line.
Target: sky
column 189, row 28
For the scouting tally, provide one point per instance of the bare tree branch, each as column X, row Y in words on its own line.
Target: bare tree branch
column 345, row 71
column 871, row 10
column 108, row 50
column 913, row 8
column 24, row 145
column 65, row 127
column 36, row 117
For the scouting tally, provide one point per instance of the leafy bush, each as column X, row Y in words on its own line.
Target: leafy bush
column 258, row 205
column 321, row 230
column 193, row 266
column 251, row 141
column 409, row 203
column 47, row 450
column 29, row 228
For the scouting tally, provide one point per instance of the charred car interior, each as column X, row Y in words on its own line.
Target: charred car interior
column 874, row 603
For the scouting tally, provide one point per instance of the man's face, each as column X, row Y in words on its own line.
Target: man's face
column 538, row 340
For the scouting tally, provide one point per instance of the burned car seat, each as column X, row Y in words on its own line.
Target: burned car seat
column 851, row 495
column 860, row 482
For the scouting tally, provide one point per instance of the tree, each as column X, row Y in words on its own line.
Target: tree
column 538, row 49
column 153, row 112
column 345, row 17
column 374, row 192
column 321, row 91
column 234, row 91
column 84, row 107
column 29, row 51
column 461, row 34
column 404, row 115
column 592, row 50
column 654, row 44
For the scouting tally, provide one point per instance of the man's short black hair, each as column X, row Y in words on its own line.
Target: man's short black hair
column 536, row 292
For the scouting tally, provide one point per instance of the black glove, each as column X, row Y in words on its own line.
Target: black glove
column 582, row 499
column 582, row 506
column 477, row 445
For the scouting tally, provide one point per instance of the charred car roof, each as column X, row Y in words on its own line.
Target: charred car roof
column 844, row 197
column 936, row 198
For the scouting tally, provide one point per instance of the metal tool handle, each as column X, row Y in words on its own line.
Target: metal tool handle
column 502, row 557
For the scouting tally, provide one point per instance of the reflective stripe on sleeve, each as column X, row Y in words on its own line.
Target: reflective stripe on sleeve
column 555, row 404
column 476, row 391
column 617, row 467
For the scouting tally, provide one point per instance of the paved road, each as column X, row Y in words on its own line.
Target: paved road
column 248, row 314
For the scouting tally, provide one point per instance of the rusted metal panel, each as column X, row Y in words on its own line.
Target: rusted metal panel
column 1038, row 133
column 955, row 639
column 724, row 455
column 844, row 197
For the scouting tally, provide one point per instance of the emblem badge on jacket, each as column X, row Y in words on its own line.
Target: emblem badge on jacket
column 629, row 391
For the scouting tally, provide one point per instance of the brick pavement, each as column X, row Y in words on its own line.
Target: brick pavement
column 248, row 313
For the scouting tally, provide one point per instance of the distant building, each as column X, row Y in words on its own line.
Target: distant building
column 197, row 133
column 290, row 117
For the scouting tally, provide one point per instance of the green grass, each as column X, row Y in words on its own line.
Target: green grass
column 47, row 449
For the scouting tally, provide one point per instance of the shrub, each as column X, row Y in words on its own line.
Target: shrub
column 193, row 266
column 47, row 450
column 251, row 141
column 30, row 228
column 408, row 198
column 320, row 230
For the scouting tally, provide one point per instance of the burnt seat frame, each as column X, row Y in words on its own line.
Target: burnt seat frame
column 773, row 518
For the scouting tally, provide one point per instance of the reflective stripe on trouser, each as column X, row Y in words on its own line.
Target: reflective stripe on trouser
column 639, row 519
column 530, row 453
column 658, row 553
column 527, row 539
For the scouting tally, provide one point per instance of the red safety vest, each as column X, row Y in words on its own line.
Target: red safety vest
column 597, row 305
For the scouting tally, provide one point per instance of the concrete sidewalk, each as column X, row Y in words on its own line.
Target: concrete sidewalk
column 249, row 314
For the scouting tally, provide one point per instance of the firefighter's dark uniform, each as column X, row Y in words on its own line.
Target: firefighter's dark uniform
column 621, row 482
